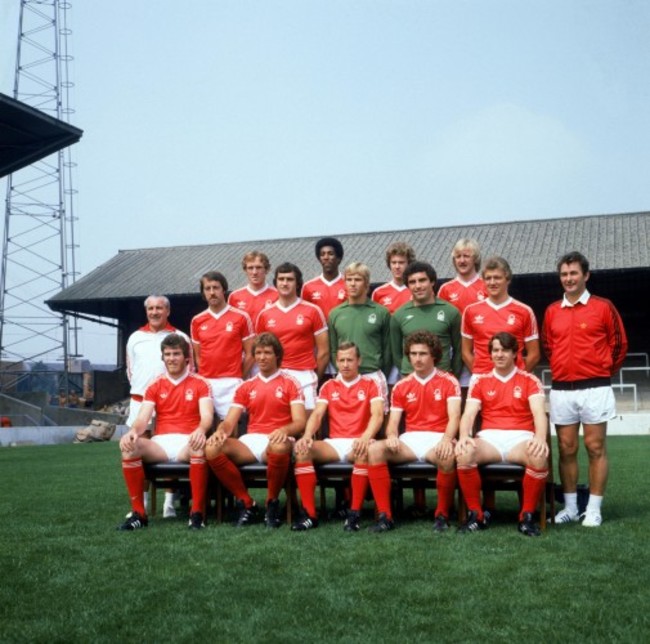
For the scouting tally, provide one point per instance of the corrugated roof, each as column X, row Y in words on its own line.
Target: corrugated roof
column 531, row 247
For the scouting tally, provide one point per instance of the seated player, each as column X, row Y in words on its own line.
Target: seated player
column 513, row 430
column 182, row 402
column 355, row 407
column 276, row 415
column 429, row 399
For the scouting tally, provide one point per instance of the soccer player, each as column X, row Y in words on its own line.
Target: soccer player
column 302, row 330
column 364, row 322
column 467, row 287
column 355, row 408
column 257, row 294
column 222, row 337
column 425, row 312
column 429, row 401
column 513, row 430
column 499, row 312
column 143, row 364
column 327, row 290
column 395, row 293
column 276, row 415
column 585, row 342
column 182, row 402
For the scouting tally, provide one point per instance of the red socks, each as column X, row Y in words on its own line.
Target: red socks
column 198, row 482
column 228, row 473
column 446, row 484
column 134, row 478
column 380, row 483
column 359, row 484
column 533, row 486
column 470, row 485
column 277, row 466
column 306, row 480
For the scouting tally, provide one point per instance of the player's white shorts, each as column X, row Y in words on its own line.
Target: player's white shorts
column 308, row 381
column 223, row 391
column 421, row 442
column 256, row 443
column 172, row 444
column 343, row 447
column 379, row 377
column 394, row 375
column 592, row 406
column 505, row 439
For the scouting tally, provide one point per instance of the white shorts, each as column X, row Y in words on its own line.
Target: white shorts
column 308, row 381
column 379, row 377
column 421, row 442
column 256, row 443
column 394, row 375
column 343, row 447
column 592, row 406
column 505, row 439
column 172, row 444
column 223, row 391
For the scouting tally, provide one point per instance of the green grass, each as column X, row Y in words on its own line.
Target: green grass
column 69, row 576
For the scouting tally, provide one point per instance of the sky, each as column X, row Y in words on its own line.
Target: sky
column 211, row 121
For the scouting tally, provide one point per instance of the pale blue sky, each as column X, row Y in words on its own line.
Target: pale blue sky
column 210, row 121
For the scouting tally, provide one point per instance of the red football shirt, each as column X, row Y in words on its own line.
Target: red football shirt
column 391, row 296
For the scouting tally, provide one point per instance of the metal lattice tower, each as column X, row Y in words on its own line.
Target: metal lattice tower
column 39, row 244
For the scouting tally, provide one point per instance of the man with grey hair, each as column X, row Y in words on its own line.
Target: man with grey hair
column 143, row 362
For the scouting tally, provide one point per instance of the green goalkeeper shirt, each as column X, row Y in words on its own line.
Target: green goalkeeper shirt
column 368, row 326
column 442, row 319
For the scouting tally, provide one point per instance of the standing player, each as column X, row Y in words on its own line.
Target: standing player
column 499, row 312
column 467, row 287
column 513, row 430
column 302, row 330
column 257, row 294
column 276, row 415
column 328, row 289
column 429, row 400
column 143, row 364
column 182, row 402
column 585, row 342
column 222, row 337
column 355, row 408
column 366, row 324
column 395, row 293
column 426, row 313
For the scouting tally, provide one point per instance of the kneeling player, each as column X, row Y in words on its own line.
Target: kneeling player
column 430, row 400
column 276, row 414
column 182, row 402
column 355, row 407
column 513, row 430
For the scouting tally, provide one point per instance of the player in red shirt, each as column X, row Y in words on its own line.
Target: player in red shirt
column 327, row 290
column 182, row 402
column 302, row 330
column 513, row 430
column 257, row 294
column 585, row 342
column 429, row 400
column 499, row 312
column 355, row 408
column 276, row 415
column 221, row 335
column 467, row 287
column 395, row 293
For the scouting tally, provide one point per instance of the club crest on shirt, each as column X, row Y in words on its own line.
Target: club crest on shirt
column 517, row 392
column 511, row 319
column 361, row 394
column 300, row 320
column 268, row 303
column 480, row 296
column 278, row 391
column 229, row 327
column 441, row 316
column 189, row 394
column 341, row 294
column 437, row 394
column 372, row 318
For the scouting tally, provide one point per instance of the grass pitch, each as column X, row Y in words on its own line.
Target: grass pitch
column 69, row 576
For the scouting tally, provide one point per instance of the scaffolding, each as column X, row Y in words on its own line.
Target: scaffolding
column 38, row 258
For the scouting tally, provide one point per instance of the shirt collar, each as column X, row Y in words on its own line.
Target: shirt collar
column 583, row 299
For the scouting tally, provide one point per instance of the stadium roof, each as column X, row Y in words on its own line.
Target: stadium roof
column 28, row 135
column 610, row 242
